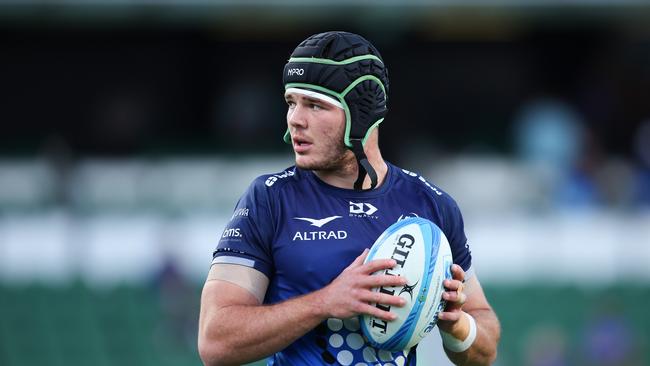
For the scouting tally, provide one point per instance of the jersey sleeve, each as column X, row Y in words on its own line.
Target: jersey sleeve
column 454, row 229
column 247, row 238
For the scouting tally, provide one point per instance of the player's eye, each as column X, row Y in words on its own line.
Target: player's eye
column 316, row 107
column 291, row 103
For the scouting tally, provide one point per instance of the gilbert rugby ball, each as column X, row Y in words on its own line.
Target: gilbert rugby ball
column 423, row 255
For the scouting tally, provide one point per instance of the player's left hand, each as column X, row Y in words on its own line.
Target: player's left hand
column 449, row 318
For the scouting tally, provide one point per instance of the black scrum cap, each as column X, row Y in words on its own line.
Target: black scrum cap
column 347, row 68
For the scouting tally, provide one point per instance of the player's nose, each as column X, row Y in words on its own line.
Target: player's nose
column 297, row 117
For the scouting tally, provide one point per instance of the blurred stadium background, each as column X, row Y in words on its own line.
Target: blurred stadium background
column 129, row 128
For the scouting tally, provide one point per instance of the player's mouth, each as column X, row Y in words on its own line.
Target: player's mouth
column 301, row 145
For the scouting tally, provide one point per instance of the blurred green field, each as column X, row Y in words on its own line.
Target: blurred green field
column 76, row 325
column 126, row 325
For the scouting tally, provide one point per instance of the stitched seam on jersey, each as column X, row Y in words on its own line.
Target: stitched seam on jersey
column 437, row 207
column 226, row 259
column 276, row 216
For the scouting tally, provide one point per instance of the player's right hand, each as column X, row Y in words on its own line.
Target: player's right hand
column 351, row 294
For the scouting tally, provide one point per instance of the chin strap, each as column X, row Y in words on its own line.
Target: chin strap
column 364, row 166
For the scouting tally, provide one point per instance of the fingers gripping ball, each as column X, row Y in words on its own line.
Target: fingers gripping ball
column 423, row 256
column 461, row 295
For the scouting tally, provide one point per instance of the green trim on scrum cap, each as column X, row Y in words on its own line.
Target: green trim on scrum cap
column 327, row 61
column 362, row 79
column 287, row 136
column 363, row 142
column 348, row 125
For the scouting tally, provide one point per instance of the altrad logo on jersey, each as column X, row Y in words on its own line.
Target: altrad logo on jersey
column 318, row 222
column 321, row 234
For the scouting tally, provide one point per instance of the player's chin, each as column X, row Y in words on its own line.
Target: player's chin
column 307, row 163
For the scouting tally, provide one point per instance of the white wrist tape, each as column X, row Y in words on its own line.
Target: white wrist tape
column 454, row 344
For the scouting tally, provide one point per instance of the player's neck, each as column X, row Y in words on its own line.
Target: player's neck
column 348, row 173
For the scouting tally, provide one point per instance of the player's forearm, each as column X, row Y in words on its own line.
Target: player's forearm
column 243, row 333
column 484, row 349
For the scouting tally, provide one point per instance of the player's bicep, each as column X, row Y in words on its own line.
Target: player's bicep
column 246, row 278
column 216, row 297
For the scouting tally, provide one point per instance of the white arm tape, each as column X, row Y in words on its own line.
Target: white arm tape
column 455, row 345
column 248, row 278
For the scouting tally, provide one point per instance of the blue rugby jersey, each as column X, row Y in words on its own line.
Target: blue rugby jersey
column 302, row 233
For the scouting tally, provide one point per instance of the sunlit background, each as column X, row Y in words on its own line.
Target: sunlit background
column 128, row 129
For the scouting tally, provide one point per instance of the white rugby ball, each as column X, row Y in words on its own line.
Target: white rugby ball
column 423, row 256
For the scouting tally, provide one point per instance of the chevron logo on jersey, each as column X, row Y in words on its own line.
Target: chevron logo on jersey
column 362, row 208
